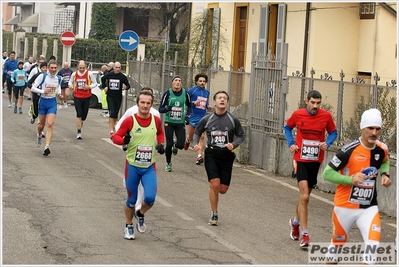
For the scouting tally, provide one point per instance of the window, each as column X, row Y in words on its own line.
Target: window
column 367, row 10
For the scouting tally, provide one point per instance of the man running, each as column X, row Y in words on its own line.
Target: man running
column 113, row 82
column 199, row 98
column 10, row 65
column 48, row 84
column 176, row 104
column 143, row 134
column 65, row 74
column 224, row 134
column 312, row 123
column 81, row 82
column 354, row 169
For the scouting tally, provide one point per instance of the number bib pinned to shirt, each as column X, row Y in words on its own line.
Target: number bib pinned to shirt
column 219, row 138
column 310, row 149
column 53, row 89
column 114, row 84
column 80, row 83
column 175, row 113
column 21, row 77
column 143, row 155
column 363, row 193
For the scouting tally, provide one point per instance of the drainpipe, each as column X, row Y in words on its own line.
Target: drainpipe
column 305, row 51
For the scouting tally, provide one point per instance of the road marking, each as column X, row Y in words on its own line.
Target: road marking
column 290, row 186
column 121, row 175
column 110, row 141
column 163, row 201
column 184, row 216
column 296, row 189
column 228, row 245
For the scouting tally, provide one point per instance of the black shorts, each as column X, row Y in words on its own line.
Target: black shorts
column 81, row 107
column 18, row 91
column 308, row 171
column 114, row 104
column 219, row 164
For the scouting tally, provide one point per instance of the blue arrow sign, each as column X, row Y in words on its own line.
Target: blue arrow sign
column 129, row 40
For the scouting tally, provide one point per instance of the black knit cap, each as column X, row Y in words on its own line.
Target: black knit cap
column 43, row 64
column 176, row 76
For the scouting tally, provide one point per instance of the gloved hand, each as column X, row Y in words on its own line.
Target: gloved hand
column 187, row 120
column 15, row 81
column 126, row 139
column 160, row 148
column 168, row 108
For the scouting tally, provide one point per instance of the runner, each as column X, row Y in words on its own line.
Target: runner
column 199, row 98
column 19, row 80
column 48, row 84
column 143, row 134
column 312, row 123
column 224, row 134
column 354, row 169
column 65, row 74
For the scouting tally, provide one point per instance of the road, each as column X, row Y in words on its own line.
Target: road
column 67, row 208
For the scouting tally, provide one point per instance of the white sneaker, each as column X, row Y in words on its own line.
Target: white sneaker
column 129, row 232
column 10, row 105
column 59, row 106
column 79, row 136
column 65, row 105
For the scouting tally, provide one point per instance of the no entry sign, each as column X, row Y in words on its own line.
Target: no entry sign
column 68, row 38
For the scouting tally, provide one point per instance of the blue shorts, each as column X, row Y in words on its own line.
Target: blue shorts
column 194, row 121
column 47, row 106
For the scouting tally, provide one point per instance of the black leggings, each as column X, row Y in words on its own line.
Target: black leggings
column 180, row 132
column 35, row 104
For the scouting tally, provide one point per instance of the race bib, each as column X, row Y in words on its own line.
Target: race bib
column 143, row 155
column 363, row 193
column 202, row 103
column 114, row 84
column 21, row 77
column 310, row 150
column 80, row 82
column 65, row 79
column 176, row 113
column 219, row 138
column 53, row 89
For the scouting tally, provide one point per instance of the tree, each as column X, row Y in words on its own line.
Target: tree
column 162, row 13
column 103, row 21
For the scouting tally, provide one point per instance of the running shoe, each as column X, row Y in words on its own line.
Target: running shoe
column 111, row 134
column 305, row 241
column 168, row 167
column 32, row 120
column 29, row 98
column 140, row 225
column 43, row 136
column 214, row 220
column 59, row 106
column 200, row 160
column 65, row 105
column 186, row 144
column 15, row 109
column 294, row 233
column 129, row 232
column 38, row 140
column 79, row 136
column 10, row 105
column 20, row 110
column 46, row 151
column 174, row 150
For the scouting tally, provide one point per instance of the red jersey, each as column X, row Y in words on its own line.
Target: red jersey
column 80, row 81
column 311, row 131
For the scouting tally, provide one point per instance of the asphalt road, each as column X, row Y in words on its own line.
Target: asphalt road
column 67, row 208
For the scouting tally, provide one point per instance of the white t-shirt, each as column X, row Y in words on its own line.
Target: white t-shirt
column 134, row 110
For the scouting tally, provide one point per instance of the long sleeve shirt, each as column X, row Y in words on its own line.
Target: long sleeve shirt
column 19, row 76
column 51, row 81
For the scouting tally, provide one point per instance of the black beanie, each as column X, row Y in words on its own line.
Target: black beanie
column 43, row 64
column 176, row 76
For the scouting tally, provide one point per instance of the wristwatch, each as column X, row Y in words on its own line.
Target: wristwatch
column 386, row 174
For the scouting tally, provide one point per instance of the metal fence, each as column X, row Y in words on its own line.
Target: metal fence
column 267, row 96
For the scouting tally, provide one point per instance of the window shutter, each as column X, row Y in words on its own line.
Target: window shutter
column 263, row 29
column 280, row 30
column 215, row 38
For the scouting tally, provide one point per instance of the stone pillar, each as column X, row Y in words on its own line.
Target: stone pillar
column 18, row 41
column 35, row 53
column 26, row 48
column 44, row 46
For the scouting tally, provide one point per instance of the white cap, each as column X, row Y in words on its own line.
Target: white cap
column 371, row 118
column 111, row 64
